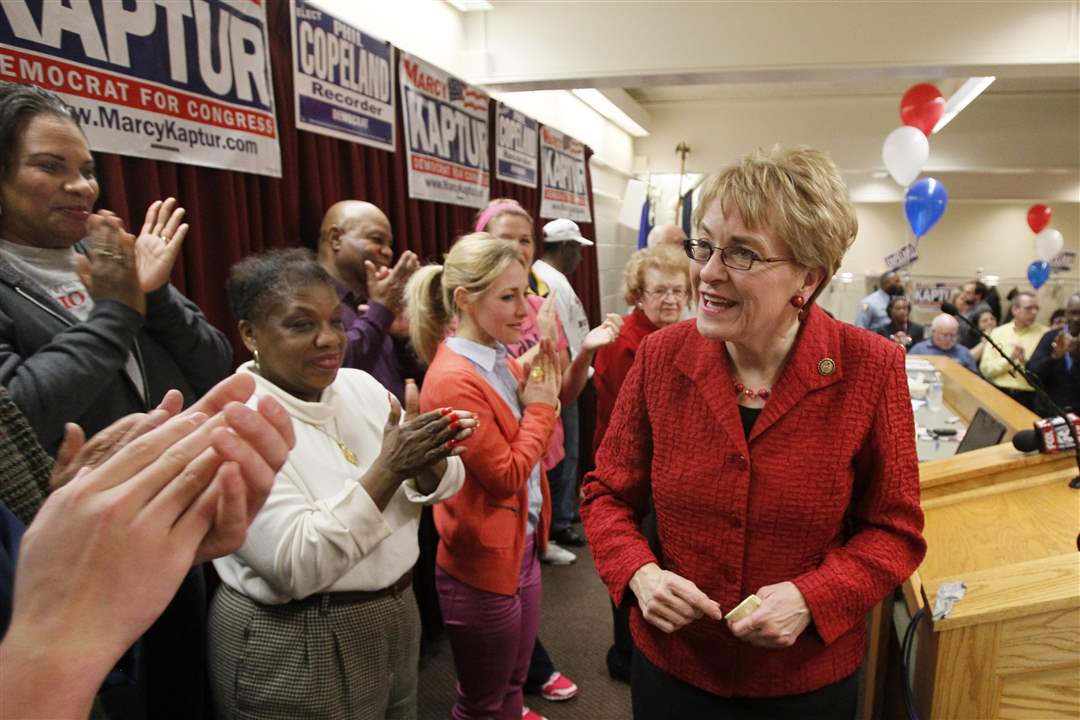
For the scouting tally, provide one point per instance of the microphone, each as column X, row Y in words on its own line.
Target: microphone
column 949, row 309
column 1050, row 435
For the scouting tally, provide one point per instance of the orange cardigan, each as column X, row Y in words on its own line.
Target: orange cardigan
column 482, row 527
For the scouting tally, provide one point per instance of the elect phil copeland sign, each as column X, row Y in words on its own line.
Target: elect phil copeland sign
column 185, row 80
column 343, row 79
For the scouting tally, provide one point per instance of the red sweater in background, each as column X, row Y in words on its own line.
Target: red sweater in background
column 824, row 493
column 612, row 363
column 482, row 527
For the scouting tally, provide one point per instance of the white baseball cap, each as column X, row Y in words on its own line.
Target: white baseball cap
column 564, row 230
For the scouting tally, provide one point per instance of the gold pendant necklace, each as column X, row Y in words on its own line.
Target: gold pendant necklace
column 350, row 456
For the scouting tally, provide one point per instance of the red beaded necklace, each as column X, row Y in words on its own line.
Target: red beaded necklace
column 762, row 393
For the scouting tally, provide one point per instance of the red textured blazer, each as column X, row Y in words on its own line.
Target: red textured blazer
column 824, row 493
column 482, row 527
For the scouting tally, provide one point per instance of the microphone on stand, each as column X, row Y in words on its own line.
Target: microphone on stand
column 1050, row 435
column 1033, row 441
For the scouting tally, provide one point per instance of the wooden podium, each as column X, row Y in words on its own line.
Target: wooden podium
column 1008, row 526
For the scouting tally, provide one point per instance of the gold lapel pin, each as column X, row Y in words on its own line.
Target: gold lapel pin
column 826, row 366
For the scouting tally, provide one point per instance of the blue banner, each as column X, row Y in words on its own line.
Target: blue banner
column 516, row 146
column 343, row 79
column 564, row 193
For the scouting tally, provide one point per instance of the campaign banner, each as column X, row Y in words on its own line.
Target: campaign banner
column 446, row 135
column 564, row 193
column 1063, row 261
column 931, row 295
column 182, row 81
column 516, row 146
column 343, row 79
column 903, row 257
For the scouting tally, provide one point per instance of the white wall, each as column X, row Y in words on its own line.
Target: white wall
column 598, row 40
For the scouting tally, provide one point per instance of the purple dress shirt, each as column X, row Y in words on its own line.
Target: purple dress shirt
column 372, row 348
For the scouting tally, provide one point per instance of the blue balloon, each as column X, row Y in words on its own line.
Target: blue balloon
column 1038, row 273
column 924, row 205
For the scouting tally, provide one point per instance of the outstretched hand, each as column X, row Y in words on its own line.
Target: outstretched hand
column 603, row 334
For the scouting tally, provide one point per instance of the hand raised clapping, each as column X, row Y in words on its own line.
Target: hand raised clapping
column 541, row 380
column 159, row 243
column 419, row 442
column 386, row 286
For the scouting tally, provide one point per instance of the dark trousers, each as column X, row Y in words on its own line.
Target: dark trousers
column 540, row 668
column 620, row 654
column 657, row 695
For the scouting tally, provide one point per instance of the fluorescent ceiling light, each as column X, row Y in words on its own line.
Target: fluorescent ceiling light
column 960, row 99
column 472, row 5
column 600, row 103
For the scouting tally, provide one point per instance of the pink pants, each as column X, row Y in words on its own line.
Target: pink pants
column 492, row 637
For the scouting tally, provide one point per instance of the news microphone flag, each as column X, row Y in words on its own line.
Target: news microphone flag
column 688, row 213
column 645, row 226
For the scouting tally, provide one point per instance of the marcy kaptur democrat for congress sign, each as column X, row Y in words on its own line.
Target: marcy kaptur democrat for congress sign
column 446, row 135
column 186, row 80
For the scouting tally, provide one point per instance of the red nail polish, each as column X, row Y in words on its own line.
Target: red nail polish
column 450, row 443
column 445, row 411
column 454, row 417
column 455, row 425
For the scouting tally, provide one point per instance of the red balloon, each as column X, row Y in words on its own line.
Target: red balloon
column 1038, row 218
column 921, row 107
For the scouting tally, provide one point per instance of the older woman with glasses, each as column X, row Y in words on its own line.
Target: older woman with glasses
column 656, row 283
column 778, row 447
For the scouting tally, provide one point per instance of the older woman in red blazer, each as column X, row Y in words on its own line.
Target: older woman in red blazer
column 779, row 449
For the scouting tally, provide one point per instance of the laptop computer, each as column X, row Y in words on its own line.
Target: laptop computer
column 983, row 431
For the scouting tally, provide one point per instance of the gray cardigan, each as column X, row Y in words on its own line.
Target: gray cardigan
column 60, row 370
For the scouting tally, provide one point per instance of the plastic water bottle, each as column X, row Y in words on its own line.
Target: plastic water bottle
column 935, row 397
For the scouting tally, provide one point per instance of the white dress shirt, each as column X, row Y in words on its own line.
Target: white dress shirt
column 319, row 530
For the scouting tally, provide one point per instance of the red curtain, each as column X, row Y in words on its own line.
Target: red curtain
column 235, row 214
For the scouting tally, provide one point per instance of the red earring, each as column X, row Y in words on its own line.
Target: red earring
column 798, row 301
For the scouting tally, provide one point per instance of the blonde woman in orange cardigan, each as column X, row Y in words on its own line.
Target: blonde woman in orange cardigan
column 493, row 532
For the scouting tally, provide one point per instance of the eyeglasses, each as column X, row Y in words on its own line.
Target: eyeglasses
column 662, row 292
column 735, row 257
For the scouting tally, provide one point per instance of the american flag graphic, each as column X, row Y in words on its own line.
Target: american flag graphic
column 470, row 98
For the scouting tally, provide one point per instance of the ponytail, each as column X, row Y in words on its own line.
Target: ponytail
column 427, row 309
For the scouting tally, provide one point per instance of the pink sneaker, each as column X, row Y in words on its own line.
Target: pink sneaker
column 558, row 687
column 527, row 714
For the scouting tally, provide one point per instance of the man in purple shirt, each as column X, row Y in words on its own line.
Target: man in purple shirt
column 355, row 247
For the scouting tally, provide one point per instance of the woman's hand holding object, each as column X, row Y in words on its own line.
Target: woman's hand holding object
column 778, row 622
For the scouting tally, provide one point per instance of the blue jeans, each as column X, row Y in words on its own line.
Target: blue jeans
column 563, row 477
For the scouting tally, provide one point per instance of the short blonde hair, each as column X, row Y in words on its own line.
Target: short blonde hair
column 796, row 194
column 663, row 258
column 474, row 262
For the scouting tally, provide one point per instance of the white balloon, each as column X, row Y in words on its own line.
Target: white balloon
column 905, row 152
column 1048, row 243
